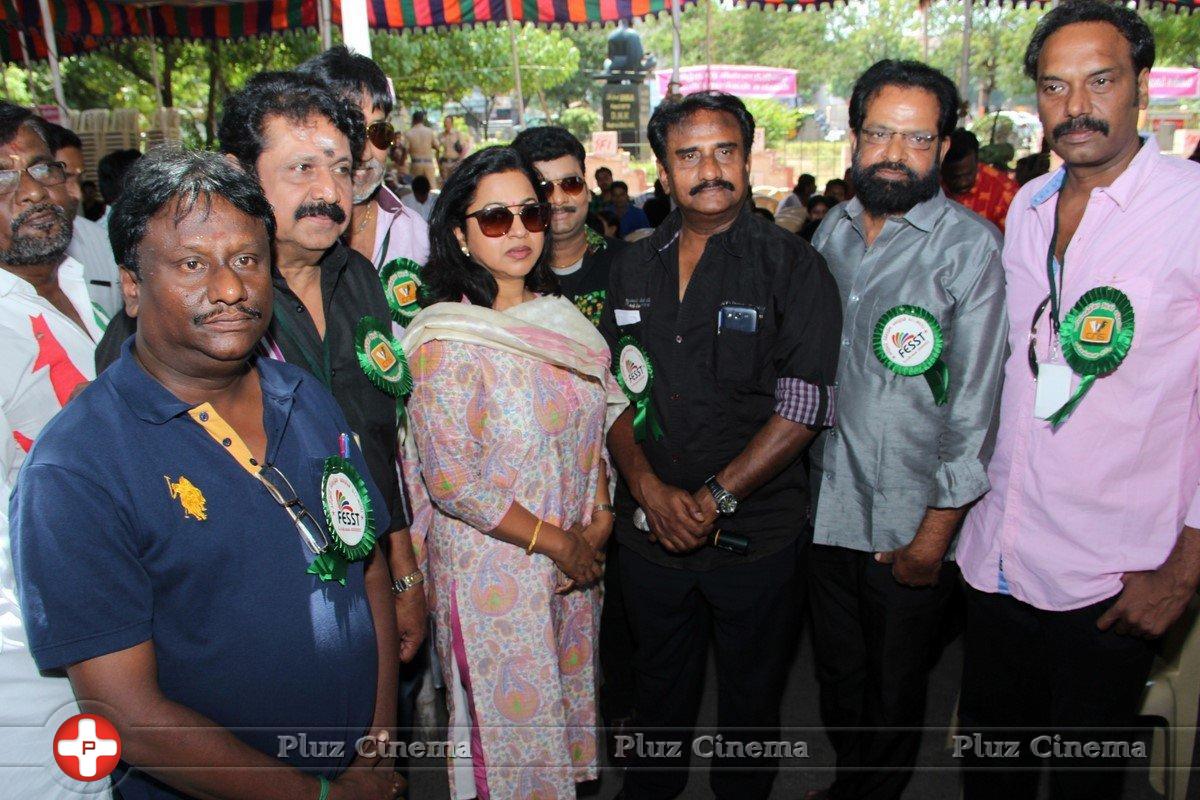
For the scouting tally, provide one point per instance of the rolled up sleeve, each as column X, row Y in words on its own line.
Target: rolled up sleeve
column 975, row 357
column 806, row 349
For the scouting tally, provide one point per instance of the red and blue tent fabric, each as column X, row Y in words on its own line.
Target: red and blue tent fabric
column 82, row 25
column 797, row 5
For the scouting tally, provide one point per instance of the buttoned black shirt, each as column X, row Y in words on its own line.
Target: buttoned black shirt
column 713, row 392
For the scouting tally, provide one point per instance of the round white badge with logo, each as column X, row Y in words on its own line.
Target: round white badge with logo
column 347, row 511
column 634, row 371
column 908, row 341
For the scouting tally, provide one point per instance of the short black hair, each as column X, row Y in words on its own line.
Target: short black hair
column 807, row 180
column 909, row 75
column 619, row 185
column 350, row 76
column 291, row 96
column 421, row 184
column 450, row 273
column 963, row 143
column 815, row 200
column 418, row 116
column 601, row 169
column 60, row 138
column 112, row 170
column 190, row 176
column 1125, row 20
column 548, row 142
column 670, row 114
column 836, row 182
column 14, row 117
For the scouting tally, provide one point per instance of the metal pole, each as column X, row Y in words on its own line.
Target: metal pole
column 964, row 75
column 52, row 56
column 676, row 44
column 516, row 63
column 708, row 44
column 325, row 23
column 154, row 68
column 356, row 33
column 924, row 6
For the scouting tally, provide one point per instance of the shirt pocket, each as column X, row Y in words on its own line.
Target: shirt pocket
column 736, row 357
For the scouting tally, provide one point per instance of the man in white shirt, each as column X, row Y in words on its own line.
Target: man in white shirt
column 89, row 240
column 47, row 337
column 422, row 198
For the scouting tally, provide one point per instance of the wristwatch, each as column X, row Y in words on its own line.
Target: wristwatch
column 726, row 502
column 407, row 582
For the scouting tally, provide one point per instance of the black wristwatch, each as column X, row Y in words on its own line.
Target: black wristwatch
column 726, row 502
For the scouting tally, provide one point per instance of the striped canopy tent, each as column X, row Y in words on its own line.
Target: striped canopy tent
column 805, row 5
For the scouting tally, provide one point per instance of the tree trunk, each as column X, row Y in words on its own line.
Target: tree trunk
column 214, row 85
column 168, row 70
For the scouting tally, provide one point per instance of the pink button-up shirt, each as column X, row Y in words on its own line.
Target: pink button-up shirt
column 1106, row 493
column 399, row 232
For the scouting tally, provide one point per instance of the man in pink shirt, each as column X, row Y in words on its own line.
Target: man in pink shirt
column 1086, row 548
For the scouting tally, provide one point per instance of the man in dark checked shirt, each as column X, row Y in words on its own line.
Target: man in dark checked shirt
column 739, row 321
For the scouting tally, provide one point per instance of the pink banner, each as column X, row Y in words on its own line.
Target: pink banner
column 744, row 81
column 1169, row 82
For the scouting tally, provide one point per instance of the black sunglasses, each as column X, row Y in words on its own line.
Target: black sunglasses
column 496, row 221
column 1033, row 359
column 572, row 185
column 381, row 134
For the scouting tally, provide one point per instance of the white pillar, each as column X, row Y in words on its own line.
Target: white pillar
column 52, row 54
column 964, row 75
column 516, row 63
column 355, row 31
column 325, row 23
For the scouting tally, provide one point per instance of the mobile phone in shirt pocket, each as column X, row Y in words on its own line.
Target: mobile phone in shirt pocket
column 737, row 343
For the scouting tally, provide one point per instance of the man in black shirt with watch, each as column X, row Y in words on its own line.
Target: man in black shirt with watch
column 726, row 332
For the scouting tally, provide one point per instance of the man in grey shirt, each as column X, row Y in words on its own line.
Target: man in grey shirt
column 923, row 342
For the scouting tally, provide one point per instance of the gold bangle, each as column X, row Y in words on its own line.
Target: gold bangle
column 536, row 529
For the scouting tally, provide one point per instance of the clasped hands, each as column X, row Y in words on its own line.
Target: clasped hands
column 680, row 521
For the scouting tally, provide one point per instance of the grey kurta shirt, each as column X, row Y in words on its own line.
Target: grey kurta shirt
column 893, row 452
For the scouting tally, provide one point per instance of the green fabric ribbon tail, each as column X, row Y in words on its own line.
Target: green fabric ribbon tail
column 644, row 418
column 1095, row 336
column 938, row 378
column 329, row 566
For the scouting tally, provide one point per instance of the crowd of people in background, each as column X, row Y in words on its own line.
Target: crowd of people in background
column 288, row 439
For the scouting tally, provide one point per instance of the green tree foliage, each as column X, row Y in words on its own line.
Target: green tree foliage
column 581, row 121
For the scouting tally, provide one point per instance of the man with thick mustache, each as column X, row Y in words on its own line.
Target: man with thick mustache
column 1088, row 546
column 923, row 297
column 47, row 335
column 725, row 327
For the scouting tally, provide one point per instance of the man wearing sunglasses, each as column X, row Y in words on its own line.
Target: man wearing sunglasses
column 47, row 334
column 381, row 227
column 894, row 476
column 580, row 256
column 171, row 566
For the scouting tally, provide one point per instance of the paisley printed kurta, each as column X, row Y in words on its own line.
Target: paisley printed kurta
column 492, row 428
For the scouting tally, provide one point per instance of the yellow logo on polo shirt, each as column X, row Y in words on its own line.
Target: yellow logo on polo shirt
column 189, row 496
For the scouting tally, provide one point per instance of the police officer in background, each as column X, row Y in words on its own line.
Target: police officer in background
column 725, row 330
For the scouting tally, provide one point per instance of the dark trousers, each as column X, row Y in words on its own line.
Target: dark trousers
column 616, row 643
column 1030, row 676
column 749, row 612
column 874, row 642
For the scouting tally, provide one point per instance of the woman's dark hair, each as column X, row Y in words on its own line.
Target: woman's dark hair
column 908, row 75
column 450, row 274
column 189, row 177
column 548, row 142
column 288, row 95
column 350, row 76
column 1126, row 20
column 670, row 114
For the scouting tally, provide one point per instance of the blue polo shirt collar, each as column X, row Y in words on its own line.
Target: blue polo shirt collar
column 153, row 403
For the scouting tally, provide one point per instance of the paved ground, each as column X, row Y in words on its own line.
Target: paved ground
column 937, row 779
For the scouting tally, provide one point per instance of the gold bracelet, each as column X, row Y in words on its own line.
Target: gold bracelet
column 536, row 529
column 605, row 507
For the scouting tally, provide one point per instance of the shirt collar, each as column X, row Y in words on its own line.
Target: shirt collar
column 923, row 215
column 69, row 271
column 153, row 403
column 1121, row 190
column 732, row 239
column 388, row 201
column 332, row 260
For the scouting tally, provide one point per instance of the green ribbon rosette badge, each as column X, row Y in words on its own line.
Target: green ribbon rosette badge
column 350, row 519
column 908, row 340
column 1095, row 336
column 382, row 359
column 635, row 375
column 401, row 282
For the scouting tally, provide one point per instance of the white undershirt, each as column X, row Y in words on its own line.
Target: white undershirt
column 569, row 270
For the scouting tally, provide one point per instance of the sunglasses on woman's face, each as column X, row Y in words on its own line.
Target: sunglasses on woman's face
column 572, row 185
column 381, row 134
column 496, row 221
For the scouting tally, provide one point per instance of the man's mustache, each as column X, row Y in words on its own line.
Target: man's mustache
column 321, row 209
column 40, row 208
column 717, row 184
column 249, row 311
column 1084, row 123
column 565, row 209
column 895, row 166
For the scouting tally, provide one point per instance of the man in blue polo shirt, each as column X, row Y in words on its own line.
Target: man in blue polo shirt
column 166, row 526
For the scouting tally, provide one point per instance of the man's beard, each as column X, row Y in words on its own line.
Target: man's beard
column 27, row 250
column 881, row 196
column 368, row 177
